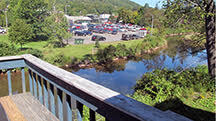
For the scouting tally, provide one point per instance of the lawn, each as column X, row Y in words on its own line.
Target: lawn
column 77, row 51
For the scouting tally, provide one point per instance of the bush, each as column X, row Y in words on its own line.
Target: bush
column 34, row 52
column 6, row 49
column 59, row 59
column 121, row 51
column 189, row 93
column 107, row 54
column 162, row 85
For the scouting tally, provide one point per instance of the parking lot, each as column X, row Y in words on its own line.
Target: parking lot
column 109, row 37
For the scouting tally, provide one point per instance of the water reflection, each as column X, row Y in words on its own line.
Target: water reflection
column 16, row 81
column 122, row 76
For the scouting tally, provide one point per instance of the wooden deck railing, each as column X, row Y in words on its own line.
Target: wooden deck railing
column 64, row 94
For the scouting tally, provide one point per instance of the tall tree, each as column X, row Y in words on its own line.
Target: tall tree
column 33, row 12
column 198, row 14
column 20, row 32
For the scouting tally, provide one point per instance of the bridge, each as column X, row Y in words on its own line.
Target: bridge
column 57, row 95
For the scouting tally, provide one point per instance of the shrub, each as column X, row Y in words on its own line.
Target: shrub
column 59, row 59
column 107, row 54
column 34, row 52
column 121, row 51
column 6, row 49
column 165, row 84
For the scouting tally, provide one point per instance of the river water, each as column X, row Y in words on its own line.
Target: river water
column 122, row 77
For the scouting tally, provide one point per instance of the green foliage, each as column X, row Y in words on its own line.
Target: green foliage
column 107, row 54
column 56, row 27
column 97, row 44
column 161, row 85
column 6, row 49
column 33, row 12
column 59, row 59
column 83, row 7
column 185, row 14
column 35, row 52
column 20, row 32
column 55, row 44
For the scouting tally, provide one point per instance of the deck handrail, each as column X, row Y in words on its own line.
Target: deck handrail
column 108, row 103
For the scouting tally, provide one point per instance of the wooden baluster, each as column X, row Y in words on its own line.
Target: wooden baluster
column 74, row 111
column 23, row 80
column 40, row 96
column 9, row 82
column 68, row 108
column 30, row 81
column 35, row 85
column 51, row 98
column 92, row 115
column 46, row 99
column 59, row 105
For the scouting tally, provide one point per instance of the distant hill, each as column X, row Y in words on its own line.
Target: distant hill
column 82, row 7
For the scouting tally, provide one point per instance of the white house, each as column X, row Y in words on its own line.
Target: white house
column 104, row 17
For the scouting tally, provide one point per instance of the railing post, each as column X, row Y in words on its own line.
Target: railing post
column 46, row 99
column 23, row 80
column 51, row 99
column 9, row 82
column 67, row 108
column 30, row 81
column 40, row 95
column 59, row 105
column 35, row 85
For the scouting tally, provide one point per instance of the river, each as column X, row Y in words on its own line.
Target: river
column 122, row 76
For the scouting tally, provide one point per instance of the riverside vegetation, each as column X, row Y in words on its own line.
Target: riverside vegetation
column 187, row 92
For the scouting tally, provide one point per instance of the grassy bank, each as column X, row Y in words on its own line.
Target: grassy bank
column 79, row 51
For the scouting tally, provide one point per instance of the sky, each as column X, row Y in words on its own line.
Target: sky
column 151, row 3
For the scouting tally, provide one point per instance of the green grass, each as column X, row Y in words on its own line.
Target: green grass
column 77, row 51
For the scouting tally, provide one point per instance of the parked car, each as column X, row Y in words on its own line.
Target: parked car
column 79, row 33
column 114, row 32
column 98, row 37
column 126, row 36
column 135, row 36
column 87, row 32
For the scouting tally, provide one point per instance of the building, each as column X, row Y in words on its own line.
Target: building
column 78, row 19
column 104, row 18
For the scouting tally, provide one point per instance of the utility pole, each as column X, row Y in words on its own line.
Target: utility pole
column 66, row 8
column 6, row 18
column 152, row 26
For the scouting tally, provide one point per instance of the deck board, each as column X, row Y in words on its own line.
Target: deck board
column 31, row 108
column 11, row 110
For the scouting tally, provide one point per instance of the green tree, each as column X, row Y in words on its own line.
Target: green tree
column 198, row 15
column 56, row 27
column 20, row 32
column 33, row 12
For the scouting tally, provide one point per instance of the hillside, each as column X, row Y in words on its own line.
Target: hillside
column 82, row 7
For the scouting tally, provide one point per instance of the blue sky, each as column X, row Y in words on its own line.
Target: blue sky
column 151, row 3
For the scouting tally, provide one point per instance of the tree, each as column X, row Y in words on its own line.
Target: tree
column 20, row 32
column 56, row 27
column 33, row 12
column 197, row 14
